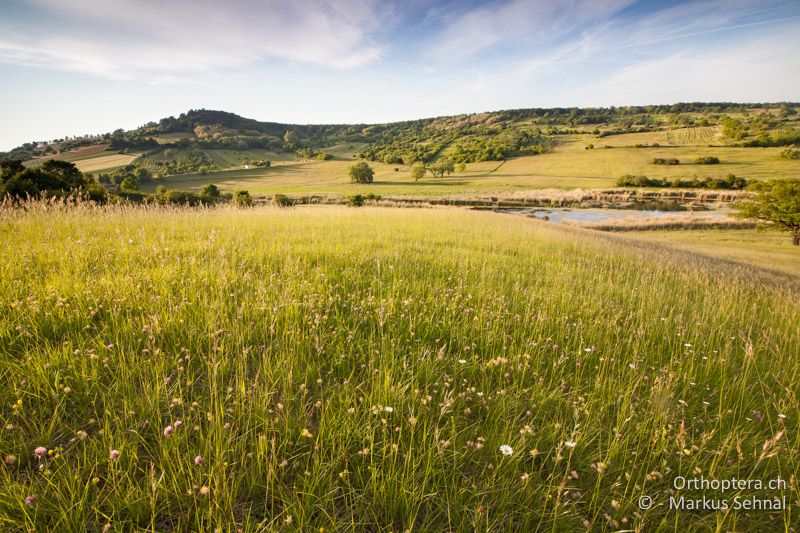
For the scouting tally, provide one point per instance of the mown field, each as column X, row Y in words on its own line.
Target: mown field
column 360, row 370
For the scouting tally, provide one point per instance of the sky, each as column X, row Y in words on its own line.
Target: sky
column 91, row 66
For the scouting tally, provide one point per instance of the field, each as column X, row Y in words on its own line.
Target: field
column 105, row 162
column 765, row 249
column 382, row 370
column 565, row 169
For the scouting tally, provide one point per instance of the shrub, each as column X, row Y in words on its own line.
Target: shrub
column 708, row 160
column 281, row 200
column 355, row 201
column 670, row 161
column 210, row 190
column 242, row 199
column 790, row 154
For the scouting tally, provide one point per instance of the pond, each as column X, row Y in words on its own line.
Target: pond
column 559, row 215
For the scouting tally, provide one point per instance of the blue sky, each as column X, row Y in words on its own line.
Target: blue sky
column 89, row 66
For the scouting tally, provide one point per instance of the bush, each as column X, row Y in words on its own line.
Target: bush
column 418, row 171
column 790, row 154
column 281, row 200
column 708, row 160
column 242, row 199
column 355, row 201
column 728, row 182
column 210, row 190
column 660, row 161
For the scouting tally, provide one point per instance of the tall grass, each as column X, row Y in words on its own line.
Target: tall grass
column 359, row 370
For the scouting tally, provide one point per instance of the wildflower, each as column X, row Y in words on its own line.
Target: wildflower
column 570, row 443
column 389, row 409
column 198, row 460
column 30, row 500
column 40, row 451
column 412, row 420
column 306, row 433
column 204, row 490
column 168, row 431
column 10, row 459
column 82, row 434
column 177, row 424
column 505, row 449
column 462, row 361
column 289, row 520
column 525, row 476
column 113, row 455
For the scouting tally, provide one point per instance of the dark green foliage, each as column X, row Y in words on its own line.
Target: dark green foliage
column 53, row 178
column 210, row 190
column 361, row 173
column 728, row 182
column 708, row 160
column 670, row 161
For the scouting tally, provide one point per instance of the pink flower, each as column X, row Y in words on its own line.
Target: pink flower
column 168, row 431
column 40, row 451
column 30, row 500
column 113, row 455
column 198, row 460
column 177, row 424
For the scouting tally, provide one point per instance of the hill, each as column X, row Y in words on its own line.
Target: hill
column 558, row 147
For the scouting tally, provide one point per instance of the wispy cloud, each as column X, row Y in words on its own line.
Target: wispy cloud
column 153, row 39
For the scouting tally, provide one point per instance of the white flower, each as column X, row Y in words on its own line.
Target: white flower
column 462, row 361
column 570, row 443
column 389, row 409
column 505, row 449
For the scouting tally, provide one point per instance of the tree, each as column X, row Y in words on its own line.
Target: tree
column 10, row 168
column 361, row 173
column 418, row 171
column 461, row 167
column 290, row 138
column 775, row 201
column 442, row 166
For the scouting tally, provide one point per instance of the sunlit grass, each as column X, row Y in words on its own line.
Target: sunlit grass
column 359, row 369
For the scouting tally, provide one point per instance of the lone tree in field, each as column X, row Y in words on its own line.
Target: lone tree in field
column 418, row 171
column 361, row 173
column 776, row 201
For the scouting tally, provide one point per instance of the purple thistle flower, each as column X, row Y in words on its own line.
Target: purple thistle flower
column 40, row 451
column 30, row 500
column 168, row 431
column 113, row 455
column 198, row 460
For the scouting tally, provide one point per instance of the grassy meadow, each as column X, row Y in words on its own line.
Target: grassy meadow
column 360, row 369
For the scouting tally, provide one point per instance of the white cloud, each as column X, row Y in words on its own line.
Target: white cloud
column 155, row 39
column 766, row 69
